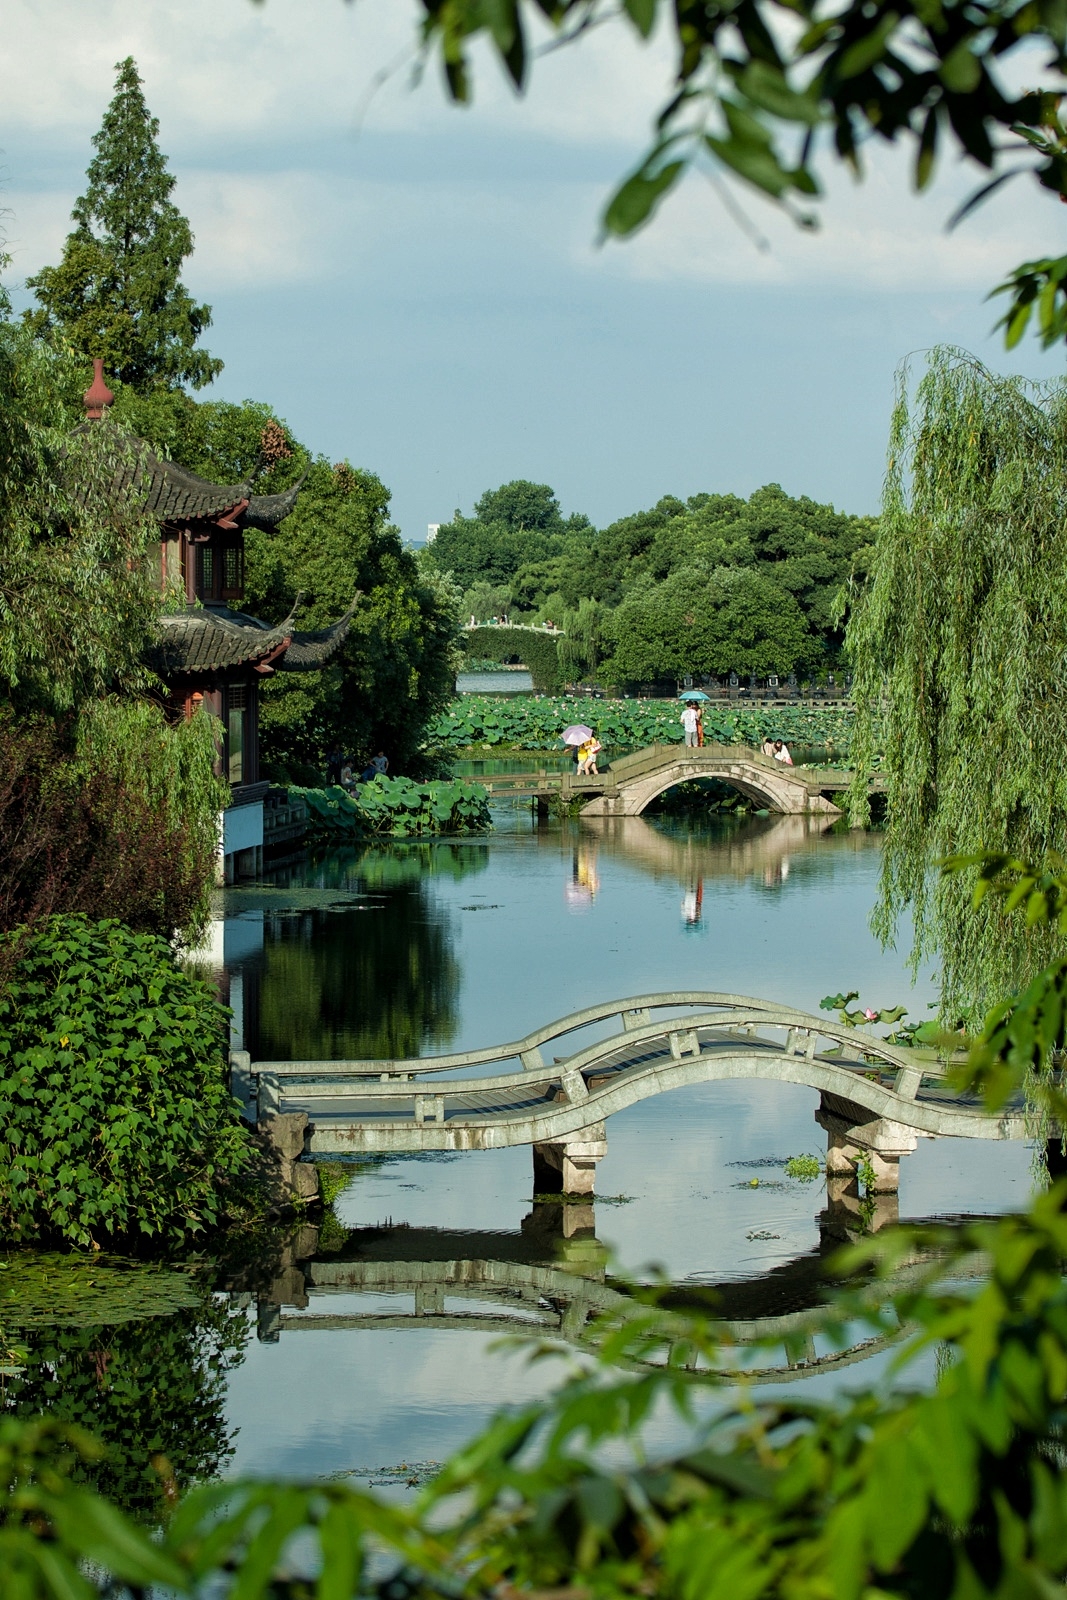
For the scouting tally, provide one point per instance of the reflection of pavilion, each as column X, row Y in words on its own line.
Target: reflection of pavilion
column 551, row 1278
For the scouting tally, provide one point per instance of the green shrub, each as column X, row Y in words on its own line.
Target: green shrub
column 535, row 649
column 398, row 806
column 116, row 1118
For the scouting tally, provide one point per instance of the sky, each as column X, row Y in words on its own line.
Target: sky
column 419, row 287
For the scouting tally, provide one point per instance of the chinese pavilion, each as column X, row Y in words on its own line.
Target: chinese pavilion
column 212, row 654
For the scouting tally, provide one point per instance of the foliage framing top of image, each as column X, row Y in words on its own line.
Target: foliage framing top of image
column 767, row 91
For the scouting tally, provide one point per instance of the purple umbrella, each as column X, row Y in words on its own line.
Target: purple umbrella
column 577, row 733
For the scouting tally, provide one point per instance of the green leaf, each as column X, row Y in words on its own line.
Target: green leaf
column 863, row 53
column 768, row 87
column 99, row 1531
column 961, row 71
column 632, row 204
column 642, row 14
column 752, row 161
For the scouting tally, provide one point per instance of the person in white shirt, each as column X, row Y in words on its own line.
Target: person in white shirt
column 689, row 723
column 781, row 753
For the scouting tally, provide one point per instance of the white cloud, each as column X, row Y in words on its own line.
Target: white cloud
column 874, row 235
column 225, row 76
column 290, row 68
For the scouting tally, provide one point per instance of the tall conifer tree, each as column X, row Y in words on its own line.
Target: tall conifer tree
column 117, row 293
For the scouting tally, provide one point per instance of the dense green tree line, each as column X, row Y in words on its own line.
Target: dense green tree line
column 707, row 585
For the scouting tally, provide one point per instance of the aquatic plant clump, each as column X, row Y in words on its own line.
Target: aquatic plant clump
column 116, row 1118
column 399, row 807
column 805, row 1168
column 535, row 724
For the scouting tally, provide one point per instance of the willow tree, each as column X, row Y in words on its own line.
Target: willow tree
column 959, row 646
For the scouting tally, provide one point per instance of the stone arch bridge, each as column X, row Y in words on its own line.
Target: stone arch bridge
column 632, row 782
column 555, row 1089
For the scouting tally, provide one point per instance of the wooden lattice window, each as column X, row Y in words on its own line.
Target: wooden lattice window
column 205, row 572
column 236, row 713
column 233, row 564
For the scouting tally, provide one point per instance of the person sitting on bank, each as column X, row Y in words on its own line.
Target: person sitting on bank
column 381, row 763
column 347, row 776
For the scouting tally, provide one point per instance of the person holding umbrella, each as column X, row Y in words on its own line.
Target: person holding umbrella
column 586, row 745
column 693, row 716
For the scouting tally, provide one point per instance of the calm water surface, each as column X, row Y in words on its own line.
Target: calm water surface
column 404, row 950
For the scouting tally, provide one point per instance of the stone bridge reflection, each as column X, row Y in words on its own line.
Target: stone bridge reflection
column 551, row 1280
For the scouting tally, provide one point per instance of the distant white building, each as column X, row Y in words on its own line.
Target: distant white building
column 431, row 531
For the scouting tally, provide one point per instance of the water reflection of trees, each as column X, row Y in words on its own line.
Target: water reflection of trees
column 373, row 975
column 152, row 1392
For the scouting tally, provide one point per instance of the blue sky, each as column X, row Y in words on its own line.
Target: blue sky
column 419, row 288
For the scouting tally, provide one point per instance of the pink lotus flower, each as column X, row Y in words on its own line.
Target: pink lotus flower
column 872, row 1016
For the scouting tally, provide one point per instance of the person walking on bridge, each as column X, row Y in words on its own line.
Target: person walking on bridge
column 690, row 722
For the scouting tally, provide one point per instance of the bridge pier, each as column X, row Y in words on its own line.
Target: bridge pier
column 569, row 1167
column 853, row 1135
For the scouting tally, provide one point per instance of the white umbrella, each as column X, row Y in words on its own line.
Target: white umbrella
column 577, row 733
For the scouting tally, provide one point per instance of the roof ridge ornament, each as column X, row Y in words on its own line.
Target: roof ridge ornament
column 98, row 396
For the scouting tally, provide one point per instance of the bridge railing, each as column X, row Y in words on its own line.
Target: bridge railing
column 723, row 1019
column 633, row 1014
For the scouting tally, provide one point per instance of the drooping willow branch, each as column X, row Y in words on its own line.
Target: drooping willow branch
column 959, row 647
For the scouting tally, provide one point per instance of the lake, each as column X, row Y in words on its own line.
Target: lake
column 378, row 1348
column 412, row 949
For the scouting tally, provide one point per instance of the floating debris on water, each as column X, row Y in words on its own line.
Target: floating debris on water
column 408, row 1474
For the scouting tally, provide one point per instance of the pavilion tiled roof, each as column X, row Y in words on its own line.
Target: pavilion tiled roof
column 310, row 651
column 174, row 494
column 214, row 638
column 207, row 638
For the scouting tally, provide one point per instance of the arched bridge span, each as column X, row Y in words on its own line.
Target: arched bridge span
column 632, row 782
column 876, row 1099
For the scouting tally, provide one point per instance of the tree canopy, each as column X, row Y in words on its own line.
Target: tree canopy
column 701, row 622
column 117, row 292
column 617, row 583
